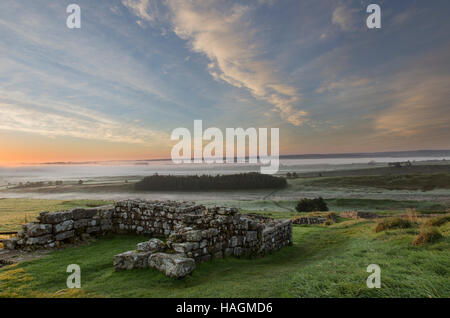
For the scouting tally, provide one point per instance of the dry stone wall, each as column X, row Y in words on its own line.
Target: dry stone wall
column 309, row 220
column 54, row 228
column 193, row 233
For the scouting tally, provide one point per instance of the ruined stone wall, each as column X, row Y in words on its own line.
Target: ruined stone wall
column 191, row 229
column 202, row 233
column 54, row 228
column 156, row 218
column 309, row 220
column 358, row 214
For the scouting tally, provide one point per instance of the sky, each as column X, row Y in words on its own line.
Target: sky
column 137, row 69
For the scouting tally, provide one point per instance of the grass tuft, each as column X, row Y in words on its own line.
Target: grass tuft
column 438, row 221
column 427, row 235
column 393, row 223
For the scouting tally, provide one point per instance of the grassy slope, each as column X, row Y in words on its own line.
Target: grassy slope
column 14, row 212
column 323, row 262
column 340, row 204
column 389, row 182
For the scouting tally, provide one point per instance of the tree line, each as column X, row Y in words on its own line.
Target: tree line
column 240, row 181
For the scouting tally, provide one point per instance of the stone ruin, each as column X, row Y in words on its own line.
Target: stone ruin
column 191, row 233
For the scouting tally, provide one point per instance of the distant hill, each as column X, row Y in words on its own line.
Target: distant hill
column 393, row 154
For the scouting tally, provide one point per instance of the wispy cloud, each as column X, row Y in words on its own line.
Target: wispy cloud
column 346, row 83
column 36, row 120
column 225, row 36
column 421, row 100
column 344, row 17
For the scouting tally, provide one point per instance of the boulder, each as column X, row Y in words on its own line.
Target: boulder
column 172, row 265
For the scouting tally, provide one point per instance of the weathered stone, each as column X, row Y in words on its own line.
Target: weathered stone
column 39, row 240
column 63, row 226
column 193, row 236
column 10, row 244
column 79, row 224
column 36, row 229
column 130, row 260
column 84, row 213
column 172, row 265
column 251, row 236
column 55, row 217
column 153, row 245
column 105, row 225
column 184, row 247
column 238, row 251
column 93, row 229
column 64, row 235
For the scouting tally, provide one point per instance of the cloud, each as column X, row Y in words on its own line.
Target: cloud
column 225, row 36
column 421, row 100
column 37, row 120
column 344, row 18
column 420, row 108
column 347, row 83
column 139, row 8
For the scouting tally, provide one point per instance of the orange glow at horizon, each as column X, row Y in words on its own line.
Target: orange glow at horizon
column 17, row 149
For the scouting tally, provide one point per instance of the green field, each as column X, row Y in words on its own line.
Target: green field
column 337, row 204
column 390, row 182
column 323, row 262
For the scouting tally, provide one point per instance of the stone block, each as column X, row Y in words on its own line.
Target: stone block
column 39, row 240
column 193, row 236
column 153, row 245
column 55, row 217
column 79, row 214
column 64, row 235
column 36, row 229
column 63, row 226
column 130, row 260
column 172, row 265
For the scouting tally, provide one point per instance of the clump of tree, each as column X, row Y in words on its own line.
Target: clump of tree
column 311, row 205
column 29, row 184
column 241, row 181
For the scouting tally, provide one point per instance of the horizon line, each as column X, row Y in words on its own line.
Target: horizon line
column 286, row 156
